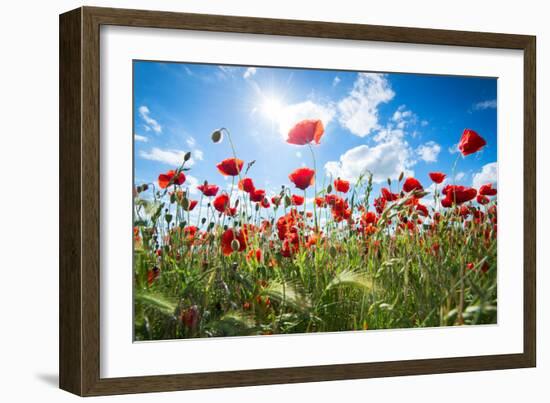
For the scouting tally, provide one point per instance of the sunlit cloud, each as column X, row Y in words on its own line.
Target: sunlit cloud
column 170, row 156
column 488, row 104
column 358, row 112
column 488, row 174
column 149, row 122
column 429, row 151
column 139, row 137
column 249, row 72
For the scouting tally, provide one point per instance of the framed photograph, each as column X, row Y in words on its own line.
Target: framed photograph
column 249, row 201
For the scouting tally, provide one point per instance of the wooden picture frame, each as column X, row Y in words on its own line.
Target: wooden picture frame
column 80, row 199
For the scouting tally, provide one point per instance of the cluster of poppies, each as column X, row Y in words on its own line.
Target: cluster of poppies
column 292, row 227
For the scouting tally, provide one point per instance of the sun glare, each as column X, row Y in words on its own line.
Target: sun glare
column 272, row 108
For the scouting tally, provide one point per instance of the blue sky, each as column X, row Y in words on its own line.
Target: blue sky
column 386, row 123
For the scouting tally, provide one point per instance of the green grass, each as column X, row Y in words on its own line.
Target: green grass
column 383, row 275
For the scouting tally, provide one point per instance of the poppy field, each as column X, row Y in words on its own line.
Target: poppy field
column 226, row 258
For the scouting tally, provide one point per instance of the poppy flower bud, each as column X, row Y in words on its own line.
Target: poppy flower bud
column 168, row 218
column 257, row 206
column 187, row 156
column 287, row 201
column 235, row 245
column 185, row 203
column 389, row 182
column 401, row 175
column 217, row 136
column 203, row 220
column 144, row 187
column 329, row 188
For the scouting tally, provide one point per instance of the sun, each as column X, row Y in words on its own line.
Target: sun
column 271, row 108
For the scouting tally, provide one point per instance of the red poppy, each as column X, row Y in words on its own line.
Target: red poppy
column 221, row 203
column 457, row 194
column 305, row 132
column 230, row 166
column 368, row 218
column 152, row 275
column 191, row 205
column 331, row 199
column 169, row 178
column 422, row 210
column 487, row 190
column 446, row 202
column 231, row 211
column 464, row 211
column 311, row 240
column 297, row 200
column 190, row 230
column 289, row 247
column 227, row 240
column 389, row 196
column 482, row 199
column 341, row 185
column 470, row 142
column 254, row 254
column 276, row 200
column 208, row 190
column 380, row 204
column 340, row 210
column 302, row 178
column 320, row 202
column 411, row 184
column 190, row 317
column 257, row 195
column 246, row 185
column 437, row 177
column 265, row 203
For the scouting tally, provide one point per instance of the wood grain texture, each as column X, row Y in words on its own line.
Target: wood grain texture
column 70, row 275
column 80, row 200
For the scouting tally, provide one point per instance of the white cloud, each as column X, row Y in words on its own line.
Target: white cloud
column 226, row 72
column 150, row 123
column 488, row 174
column 403, row 117
column 289, row 115
column 359, row 110
column 424, row 123
column 139, row 137
column 460, row 175
column 192, row 183
column 429, row 151
column 401, row 114
column 336, row 81
column 197, row 154
column 298, row 154
column 249, row 72
column 385, row 160
column 489, row 104
column 170, row 157
column 389, row 133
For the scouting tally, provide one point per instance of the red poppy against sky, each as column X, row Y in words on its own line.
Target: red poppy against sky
column 305, row 132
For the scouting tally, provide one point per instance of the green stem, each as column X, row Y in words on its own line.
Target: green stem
column 314, row 186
